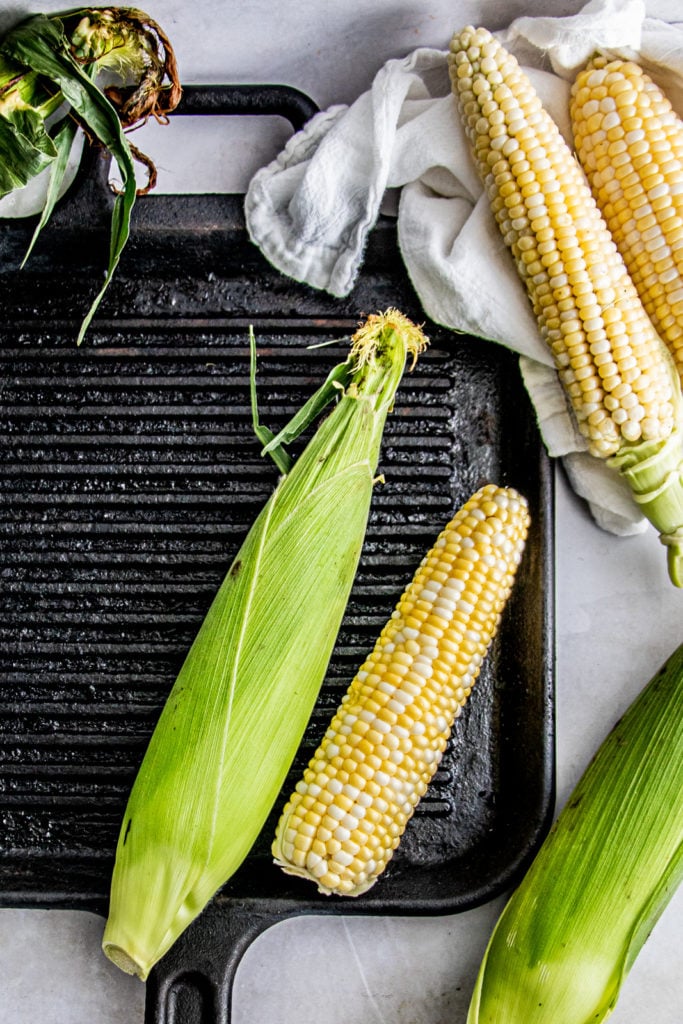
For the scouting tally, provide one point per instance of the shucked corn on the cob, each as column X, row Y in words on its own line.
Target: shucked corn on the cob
column 606, row 350
column 629, row 141
column 616, row 371
column 49, row 69
column 347, row 815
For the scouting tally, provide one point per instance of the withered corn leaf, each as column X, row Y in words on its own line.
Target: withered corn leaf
column 47, row 83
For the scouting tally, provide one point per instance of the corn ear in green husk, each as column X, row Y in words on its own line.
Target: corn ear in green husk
column 573, row 928
column 237, row 712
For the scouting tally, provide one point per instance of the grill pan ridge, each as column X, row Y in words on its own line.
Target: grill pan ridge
column 129, row 475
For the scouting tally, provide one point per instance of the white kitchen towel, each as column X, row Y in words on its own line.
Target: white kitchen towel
column 310, row 210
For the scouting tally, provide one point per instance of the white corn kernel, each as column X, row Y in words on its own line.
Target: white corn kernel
column 398, row 760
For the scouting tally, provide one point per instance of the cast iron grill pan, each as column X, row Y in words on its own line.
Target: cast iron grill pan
column 129, row 475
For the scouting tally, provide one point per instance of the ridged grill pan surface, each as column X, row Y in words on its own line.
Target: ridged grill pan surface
column 129, row 475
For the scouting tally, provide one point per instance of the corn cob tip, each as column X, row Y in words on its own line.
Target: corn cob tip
column 366, row 342
column 123, row 960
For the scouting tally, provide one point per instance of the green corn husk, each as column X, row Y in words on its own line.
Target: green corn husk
column 49, row 66
column 571, row 931
column 654, row 472
column 233, row 721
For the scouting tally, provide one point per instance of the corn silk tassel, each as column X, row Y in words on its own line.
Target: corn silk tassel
column 235, row 717
column 573, row 928
column 618, row 375
column 347, row 815
column 49, row 65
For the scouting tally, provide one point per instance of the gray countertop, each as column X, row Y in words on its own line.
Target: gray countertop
column 618, row 618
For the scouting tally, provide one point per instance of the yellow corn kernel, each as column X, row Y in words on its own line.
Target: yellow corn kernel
column 578, row 273
column 642, row 198
column 405, row 698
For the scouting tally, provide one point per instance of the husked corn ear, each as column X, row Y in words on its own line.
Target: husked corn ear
column 347, row 815
column 629, row 141
column 616, row 371
column 607, row 353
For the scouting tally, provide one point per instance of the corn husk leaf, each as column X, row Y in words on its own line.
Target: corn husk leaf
column 26, row 147
column 63, row 143
column 572, row 930
column 235, row 716
column 336, row 381
column 40, row 44
column 49, row 77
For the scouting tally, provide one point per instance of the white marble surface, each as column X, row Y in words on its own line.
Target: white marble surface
column 617, row 619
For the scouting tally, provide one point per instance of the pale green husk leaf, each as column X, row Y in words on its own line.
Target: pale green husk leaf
column 573, row 928
column 43, row 78
column 233, row 721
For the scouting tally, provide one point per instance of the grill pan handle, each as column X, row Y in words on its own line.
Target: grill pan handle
column 89, row 199
column 282, row 100
column 193, row 983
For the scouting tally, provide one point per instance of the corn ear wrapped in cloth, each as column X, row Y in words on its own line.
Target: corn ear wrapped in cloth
column 617, row 373
column 236, row 714
column 629, row 142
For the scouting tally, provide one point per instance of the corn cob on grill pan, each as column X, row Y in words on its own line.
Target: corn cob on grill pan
column 129, row 476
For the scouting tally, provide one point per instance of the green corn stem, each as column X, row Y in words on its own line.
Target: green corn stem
column 573, row 928
column 230, row 728
column 654, row 472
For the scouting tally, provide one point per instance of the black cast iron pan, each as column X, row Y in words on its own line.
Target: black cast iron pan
column 128, row 477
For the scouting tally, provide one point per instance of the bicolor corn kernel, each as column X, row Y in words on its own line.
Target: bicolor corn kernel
column 347, row 815
column 609, row 358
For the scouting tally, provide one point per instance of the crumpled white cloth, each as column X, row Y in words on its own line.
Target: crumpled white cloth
column 310, row 210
